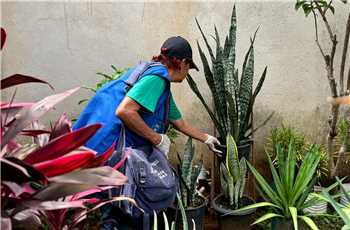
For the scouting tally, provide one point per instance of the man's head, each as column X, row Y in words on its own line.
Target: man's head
column 176, row 55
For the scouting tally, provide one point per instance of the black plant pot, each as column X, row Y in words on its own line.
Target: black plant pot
column 236, row 220
column 195, row 213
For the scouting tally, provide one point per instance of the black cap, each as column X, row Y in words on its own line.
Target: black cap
column 180, row 48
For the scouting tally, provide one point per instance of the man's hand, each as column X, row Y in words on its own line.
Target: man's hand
column 211, row 141
column 164, row 144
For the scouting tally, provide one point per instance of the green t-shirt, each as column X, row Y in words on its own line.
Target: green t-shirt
column 148, row 90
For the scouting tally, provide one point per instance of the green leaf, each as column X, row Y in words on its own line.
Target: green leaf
column 309, row 222
column 232, row 162
column 183, row 213
column 294, row 214
column 253, row 206
column 187, row 162
column 155, row 221
column 299, row 4
column 266, row 217
column 265, row 186
column 206, row 42
column 166, row 223
column 195, row 89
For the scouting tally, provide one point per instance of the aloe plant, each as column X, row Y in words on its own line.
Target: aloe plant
column 233, row 174
column 189, row 173
column 233, row 97
column 288, row 199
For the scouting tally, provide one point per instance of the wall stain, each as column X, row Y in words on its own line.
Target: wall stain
column 66, row 26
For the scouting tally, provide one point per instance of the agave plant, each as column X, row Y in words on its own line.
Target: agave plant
column 189, row 173
column 233, row 174
column 288, row 199
column 233, row 97
column 53, row 173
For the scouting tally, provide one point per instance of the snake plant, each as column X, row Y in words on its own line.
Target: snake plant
column 189, row 173
column 232, row 174
column 233, row 97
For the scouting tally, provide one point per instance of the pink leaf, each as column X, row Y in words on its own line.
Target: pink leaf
column 27, row 116
column 65, row 164
column 62, row 145
column 100, row 160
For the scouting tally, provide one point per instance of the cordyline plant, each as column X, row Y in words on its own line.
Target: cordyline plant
column 41, row 181
column 320, row 10
column 189, row 173
column 233, row 97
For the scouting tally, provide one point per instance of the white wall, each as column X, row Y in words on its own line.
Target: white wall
column 67, row 42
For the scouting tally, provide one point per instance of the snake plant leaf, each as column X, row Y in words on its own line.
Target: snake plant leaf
column 232, row 35
column 183, row 213
column 232, row 162
column 232, row 115
column 243, row 166
column 250, row 131
column 260, row 83
column 187, row 161
column 195, row 89
column 206, row 42
column 246, row 87
column 237, row 191
column 224, row 179
column 194, row 177
column 207, row 72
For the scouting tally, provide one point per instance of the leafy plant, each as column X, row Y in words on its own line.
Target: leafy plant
column 233, row 174
column 320, row 10
column 288, row 199
column 189, row 173
column 283, row 136
column 53, row 173
column 117, row 73
column 343, row 211
column 233, row 97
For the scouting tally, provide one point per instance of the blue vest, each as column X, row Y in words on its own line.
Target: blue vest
column 103, row 105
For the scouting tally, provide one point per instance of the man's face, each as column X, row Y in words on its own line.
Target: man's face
column 184, row 68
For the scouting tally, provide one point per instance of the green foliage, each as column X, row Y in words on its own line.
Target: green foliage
column 342, row 211
column 233, row 97
column 117, row 73
column 283, row 135
column 288, row 199
column 309, row 6
column 189, row 173
column 172, row 133
column 233, row 174
column 343, row 137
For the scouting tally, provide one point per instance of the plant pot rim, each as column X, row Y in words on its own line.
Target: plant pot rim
column 228, row 212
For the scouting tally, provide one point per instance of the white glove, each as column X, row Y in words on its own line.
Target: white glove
column 211, row 141
column 164, row 145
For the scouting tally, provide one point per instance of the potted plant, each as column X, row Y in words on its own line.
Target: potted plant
column 233, row 177
column 193, row 203
column 287, row 198
column 233, row 97
column 283, row 136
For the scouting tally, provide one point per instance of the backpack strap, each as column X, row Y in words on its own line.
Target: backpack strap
column 138, row 71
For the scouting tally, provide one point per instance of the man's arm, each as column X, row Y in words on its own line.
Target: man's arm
column 189, row 130
column 127, row 111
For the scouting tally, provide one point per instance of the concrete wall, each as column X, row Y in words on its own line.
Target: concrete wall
column 66, row 43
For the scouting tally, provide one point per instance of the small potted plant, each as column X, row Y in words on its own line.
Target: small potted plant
column 233, row 177
column 193, row 203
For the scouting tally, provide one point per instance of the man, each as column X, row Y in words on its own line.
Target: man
column 144, row 108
